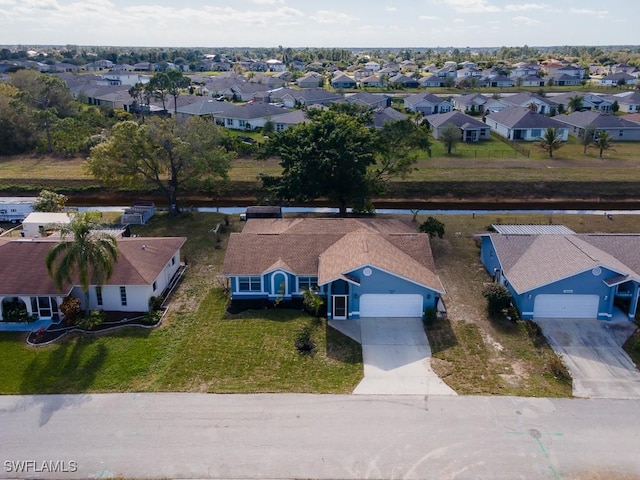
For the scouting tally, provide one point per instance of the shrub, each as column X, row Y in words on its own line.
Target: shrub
column 152, row 317
column 303, row 342
column 433, row 227
column 155, row 303
column 93, row 320
column 498, row 297
column 70, row 308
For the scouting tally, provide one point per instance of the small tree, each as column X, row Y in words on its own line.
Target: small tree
column 49, row 201
column 450, row 136
column 498, row 297
column 312, row 302
column 603, row 142
column 615, row 106
column 586, row 137
column 550, row 141
column 433, row 227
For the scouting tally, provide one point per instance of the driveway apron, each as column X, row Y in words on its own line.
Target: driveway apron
column 592, row 351
column 397, row 359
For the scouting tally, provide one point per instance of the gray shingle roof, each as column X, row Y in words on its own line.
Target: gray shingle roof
column 456, row 118
column 521, row 117
column 596, row 119
column 531, row 261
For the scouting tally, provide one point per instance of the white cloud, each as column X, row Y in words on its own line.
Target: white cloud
column 526, row 20
column 391, row 9
column 527, row 6
column 428, row 18
column 268, row 2
column 471, row 6
column 586, row 11
column 43, row 4
column 458, row 20
column 7, row 2
column 331, row 16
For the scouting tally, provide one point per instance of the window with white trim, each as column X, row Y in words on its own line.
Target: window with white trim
column 307, row 283
column 249, row 284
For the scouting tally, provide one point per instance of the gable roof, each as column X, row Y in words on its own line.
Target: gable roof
column 424, row 97
column 331, row 248
column 385, row 115
column 531, row 261
column 522, row 99
column 521, row 117
column 140, row 262
column 596, row 119
column 456, row 118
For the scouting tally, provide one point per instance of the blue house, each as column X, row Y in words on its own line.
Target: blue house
column 553, row 273
column 361, row 267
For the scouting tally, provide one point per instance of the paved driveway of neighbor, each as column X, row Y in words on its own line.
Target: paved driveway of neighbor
column 397, row 359
column 592, row 351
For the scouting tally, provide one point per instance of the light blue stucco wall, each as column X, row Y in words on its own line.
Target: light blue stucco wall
column 380, row 282
column 585, row 283
column 270, row 286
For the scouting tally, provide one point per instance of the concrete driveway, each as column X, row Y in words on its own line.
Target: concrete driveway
column 592, row 351
column 396, row 357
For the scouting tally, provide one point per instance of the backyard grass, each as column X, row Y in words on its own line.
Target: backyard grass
column 489, row 161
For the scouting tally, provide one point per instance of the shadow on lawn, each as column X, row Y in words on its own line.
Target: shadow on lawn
column 342, row 348
column 69, row 367
column 441, row 335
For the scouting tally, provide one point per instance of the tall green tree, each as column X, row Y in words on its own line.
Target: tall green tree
column 450, row 135
column 173, row 157
column 47, row 95
column 603, row 142
column 399, row 145
column 550, row 141
column 82, row 256
column 327, row 157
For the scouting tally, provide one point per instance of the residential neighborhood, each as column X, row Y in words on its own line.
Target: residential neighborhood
column 445, row 232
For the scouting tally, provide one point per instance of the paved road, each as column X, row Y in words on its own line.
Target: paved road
column 397, row 359
column 592, row 351
column 324, row 437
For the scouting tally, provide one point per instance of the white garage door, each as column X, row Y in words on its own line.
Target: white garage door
column 380, row 305
column 566, row 306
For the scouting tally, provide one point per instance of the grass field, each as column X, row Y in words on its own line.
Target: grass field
column 492, row 161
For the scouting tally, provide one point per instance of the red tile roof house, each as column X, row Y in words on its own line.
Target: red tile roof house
column 145, row 267
column 361, row 267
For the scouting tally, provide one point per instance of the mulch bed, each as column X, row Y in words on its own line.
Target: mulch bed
column 113, row 320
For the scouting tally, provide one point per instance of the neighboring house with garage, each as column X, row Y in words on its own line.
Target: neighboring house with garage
column 361, row 267
column 616, row 126
column 552, row 272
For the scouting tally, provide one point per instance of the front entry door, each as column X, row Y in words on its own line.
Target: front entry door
column 340, row 307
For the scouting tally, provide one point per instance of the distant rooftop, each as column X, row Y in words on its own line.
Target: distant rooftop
column 533, row 230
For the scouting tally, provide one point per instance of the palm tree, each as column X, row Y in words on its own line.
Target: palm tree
column 550, row 141
column 88, row 256
column 603, row 142
column 575, row 103
column 586, row 137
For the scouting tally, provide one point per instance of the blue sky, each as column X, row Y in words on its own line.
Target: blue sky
column 325, row 23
